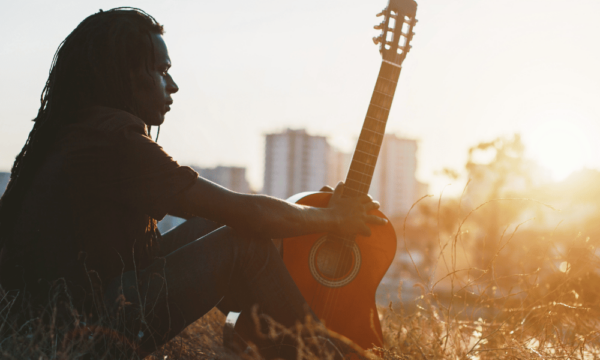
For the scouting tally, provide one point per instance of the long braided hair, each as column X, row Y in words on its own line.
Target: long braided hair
column 92, row 66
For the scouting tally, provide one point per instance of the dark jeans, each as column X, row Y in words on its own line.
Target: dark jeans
column 202, row 266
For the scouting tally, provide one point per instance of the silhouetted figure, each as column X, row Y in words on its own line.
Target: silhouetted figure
column 85, row 193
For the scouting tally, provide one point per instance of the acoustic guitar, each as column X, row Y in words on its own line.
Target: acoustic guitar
column 338, row 276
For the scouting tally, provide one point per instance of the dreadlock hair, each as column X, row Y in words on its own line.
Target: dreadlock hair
column 92, row 66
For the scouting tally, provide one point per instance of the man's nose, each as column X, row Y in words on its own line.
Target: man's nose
column 172, row 86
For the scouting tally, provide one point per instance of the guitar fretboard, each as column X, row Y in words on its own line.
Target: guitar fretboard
column 364, row 159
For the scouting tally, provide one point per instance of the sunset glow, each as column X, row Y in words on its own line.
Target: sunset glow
column 561, row 146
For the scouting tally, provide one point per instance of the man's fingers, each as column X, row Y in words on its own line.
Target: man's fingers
column 372, row 206
column 327, row 188
column 339, row 189
column 372, row 219
column 365, row 198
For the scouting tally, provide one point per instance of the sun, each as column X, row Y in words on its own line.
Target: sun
column 560, row 146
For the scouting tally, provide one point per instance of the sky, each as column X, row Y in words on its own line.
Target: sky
column 478, row 69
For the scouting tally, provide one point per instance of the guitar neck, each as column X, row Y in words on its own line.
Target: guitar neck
column 365, row 155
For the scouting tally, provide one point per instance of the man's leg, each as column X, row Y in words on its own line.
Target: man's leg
column 179, row 288
column 185, row 233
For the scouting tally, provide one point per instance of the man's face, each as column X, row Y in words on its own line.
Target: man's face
column 152, row 89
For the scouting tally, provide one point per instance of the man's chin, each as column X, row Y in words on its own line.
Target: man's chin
column 156, row 120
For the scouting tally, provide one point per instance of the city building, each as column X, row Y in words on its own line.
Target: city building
column 231, row 177
column 394, row 182
column 337, row 166
column 295, row 162
column 4, row 177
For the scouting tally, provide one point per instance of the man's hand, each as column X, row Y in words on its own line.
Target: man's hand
column 349, row 215
column 327, row 188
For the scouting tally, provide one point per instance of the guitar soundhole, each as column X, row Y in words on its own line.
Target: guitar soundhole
column 334, row 259
column 334, row 262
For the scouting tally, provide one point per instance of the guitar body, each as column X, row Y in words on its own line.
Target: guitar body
column 346, row 306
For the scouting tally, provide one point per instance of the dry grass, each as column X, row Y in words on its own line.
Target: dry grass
column 546, row 314
column 525, row 294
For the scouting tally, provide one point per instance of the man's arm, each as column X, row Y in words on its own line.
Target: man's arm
column 270, row 217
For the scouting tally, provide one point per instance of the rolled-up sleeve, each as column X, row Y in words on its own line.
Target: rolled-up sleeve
column 147, row 179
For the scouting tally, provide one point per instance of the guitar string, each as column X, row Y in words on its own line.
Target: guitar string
column 331, row 294
column 346, row 255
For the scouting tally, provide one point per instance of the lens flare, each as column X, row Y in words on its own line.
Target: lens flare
column 561, row 146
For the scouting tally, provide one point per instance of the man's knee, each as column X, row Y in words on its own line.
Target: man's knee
column 247, row 245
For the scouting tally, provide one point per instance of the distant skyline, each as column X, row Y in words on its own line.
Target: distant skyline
column 477, row 70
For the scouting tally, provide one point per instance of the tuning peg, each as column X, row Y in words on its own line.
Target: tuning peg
column 377, row 39
column 380, row 26
column 382, row 12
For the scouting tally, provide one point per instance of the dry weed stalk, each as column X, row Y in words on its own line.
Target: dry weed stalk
column 546, row 309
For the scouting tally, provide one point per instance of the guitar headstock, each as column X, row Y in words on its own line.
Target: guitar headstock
column 396, row 30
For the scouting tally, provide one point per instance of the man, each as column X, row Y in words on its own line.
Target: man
column 89, row 185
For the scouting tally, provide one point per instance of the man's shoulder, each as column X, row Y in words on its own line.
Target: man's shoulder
column 110, row 120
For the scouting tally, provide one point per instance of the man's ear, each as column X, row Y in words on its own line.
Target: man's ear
column 141, row 76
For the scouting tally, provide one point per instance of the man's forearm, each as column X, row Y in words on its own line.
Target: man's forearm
column 277, row 218
column 259, row 215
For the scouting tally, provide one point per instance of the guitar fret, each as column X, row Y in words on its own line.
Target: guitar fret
column 370, row 117
column 368, row 147
column 360, row 176
column 386, row 79
column 369, row 142
column 385, row 87
column 381, row 107
column 371, row 136
column 364, row 158
column 377, row 112
column 378, row 133
column 389, row 72
column 362, row 169
column 366, row 153
column 360, row 190
column 348, row 192
column 374, row 125
column 384, row 94
column 354, row 180
column 393, row 81
column 360, row 162
column 381, row 100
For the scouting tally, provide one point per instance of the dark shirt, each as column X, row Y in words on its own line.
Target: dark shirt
column 91, row 211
